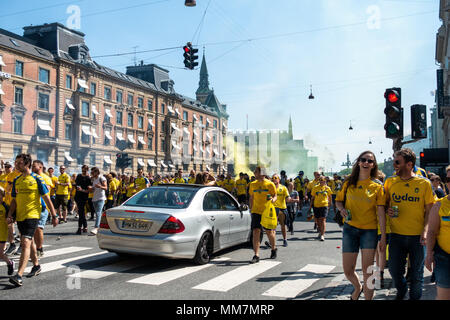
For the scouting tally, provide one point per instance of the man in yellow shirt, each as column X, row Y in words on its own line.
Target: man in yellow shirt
column 191, row 177
column 29, row 195
column 229, row 184
column 141, row 182
column 63, row 186
column 241, row 188
column 261, row 191
column 179, row 177
column 413, row 198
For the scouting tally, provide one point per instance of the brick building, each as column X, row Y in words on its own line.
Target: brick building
column 62, row 107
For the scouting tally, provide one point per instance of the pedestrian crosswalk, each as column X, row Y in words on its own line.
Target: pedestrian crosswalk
column 276, row 283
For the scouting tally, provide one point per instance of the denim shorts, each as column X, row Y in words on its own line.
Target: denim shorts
column 43, row 219
column 354, row 238
column 442, row 267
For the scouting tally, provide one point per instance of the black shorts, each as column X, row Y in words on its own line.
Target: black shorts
column 320, row 212
column 282, row 216
column 27, row 227
column 256, row 221
column 301, row 196
column 61, row 200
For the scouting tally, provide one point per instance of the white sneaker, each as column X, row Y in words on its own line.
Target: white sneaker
column 322, row 238
column 94, row 231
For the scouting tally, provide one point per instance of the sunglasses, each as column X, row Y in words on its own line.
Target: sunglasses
column 366, row 160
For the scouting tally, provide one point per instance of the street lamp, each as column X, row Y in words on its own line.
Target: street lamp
column 311, row 96
column 350, row 128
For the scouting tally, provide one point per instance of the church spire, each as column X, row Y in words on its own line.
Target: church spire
column 291, row 135
column 203, row 85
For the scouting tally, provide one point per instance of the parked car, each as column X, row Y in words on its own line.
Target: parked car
column 176, row 221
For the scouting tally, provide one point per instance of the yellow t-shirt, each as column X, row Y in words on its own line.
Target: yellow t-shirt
column 282, row 194
column 299, row 184
column 48, row 180
column 131, row 189
column 28, row 191
column 179, row 180
column 410, row 196
column 220, row 183
column 362, row 201
column 9, row 184
column 191, row 180
column 3, row 181
column 156, row 183
column 332, row 186
column 229, row 184
column 3, row 223
column 140, row 183
column 63, row 190
column 112, row 190
column 259, row 191
column 311, row 185
column 320, row 195
column 443, row 237
column 53, row 190
column 241, row 186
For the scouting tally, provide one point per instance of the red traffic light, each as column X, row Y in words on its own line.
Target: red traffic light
column 422, row 154
column 392, row 96
column 186, row 49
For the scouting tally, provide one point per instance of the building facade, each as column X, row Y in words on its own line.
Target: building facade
column 274, row 149
column 64, row 108
column 441, row 119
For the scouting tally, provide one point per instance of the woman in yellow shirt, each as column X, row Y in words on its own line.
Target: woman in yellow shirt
column 320, row 201
column 360, row 202
column 438, row 244
column 131, row 188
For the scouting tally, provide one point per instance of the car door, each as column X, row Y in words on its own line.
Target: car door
column 217, row 218
column 238, row 221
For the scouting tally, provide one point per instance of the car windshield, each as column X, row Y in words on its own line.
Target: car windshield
column 163, row 197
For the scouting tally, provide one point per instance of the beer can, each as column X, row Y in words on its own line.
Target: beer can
column 349, row 216
column 269, row 197
column 395, row 208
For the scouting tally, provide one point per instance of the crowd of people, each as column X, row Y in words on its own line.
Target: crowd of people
column 406, row 213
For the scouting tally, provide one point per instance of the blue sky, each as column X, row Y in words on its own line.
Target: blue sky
column 350, row 51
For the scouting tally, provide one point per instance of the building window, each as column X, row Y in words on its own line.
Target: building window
column 16, row 151
column 107, row 93
column 68, row 82
column 150, row 143
column 201, row 119
column 130, row 120
column 185, row 115
column 42, row 154
column 42, row 133
column 93, row 88
column 85, row 109
column 19, row 68
column 140, row 122
column 163, row 145
column 130, row 99
column 43, row 101
column 163, row 108
column 140, row 103
column 44, row 75
column 119, row 117
column 215, row 123
column 68, row 131
column 119, row 96
column 17, row 124
column 150, row 104
column 18, row 96
column 85, row 138
column 92, row 159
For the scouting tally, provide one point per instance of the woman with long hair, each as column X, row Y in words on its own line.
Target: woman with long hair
column 360, row 202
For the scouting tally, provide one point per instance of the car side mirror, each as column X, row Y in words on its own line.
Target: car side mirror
column 243, row 207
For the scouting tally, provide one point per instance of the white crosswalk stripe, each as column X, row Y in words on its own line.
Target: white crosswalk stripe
column 108, row 270
column 299, row 281
column 60, row 264
column 56, row 252
column 159, row 278
column 237, row 276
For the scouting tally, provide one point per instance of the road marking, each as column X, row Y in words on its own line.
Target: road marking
column 52, row 253
column 237, row 276
column 60, row 264
column 298, row 282
column 158, row 278
column 108, row 270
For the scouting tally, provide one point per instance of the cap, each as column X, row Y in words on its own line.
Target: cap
column 300, row 172
column 7, row 164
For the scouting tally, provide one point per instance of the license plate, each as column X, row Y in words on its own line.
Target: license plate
column 136, row 225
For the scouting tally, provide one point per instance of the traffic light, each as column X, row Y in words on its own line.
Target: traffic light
column 119, row 160
column 123, row 160
column 189, row 56
column 394, row 113
column 419, row 121
column 127, row 161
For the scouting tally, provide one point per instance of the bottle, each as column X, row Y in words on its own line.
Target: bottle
column 349, row 216
column 395, row 208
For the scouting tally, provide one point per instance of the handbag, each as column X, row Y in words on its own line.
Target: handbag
column 338, row 217
column 269, row 217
